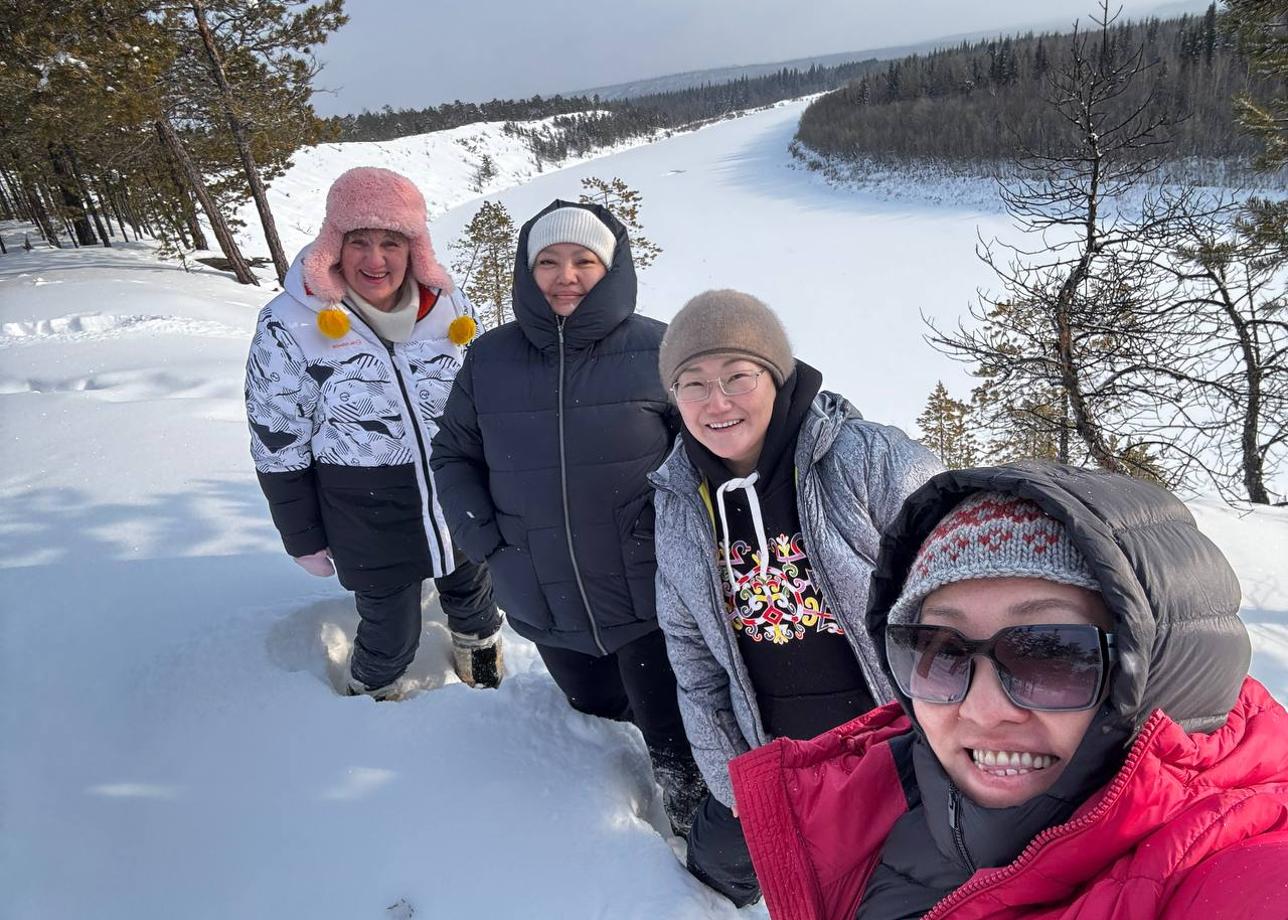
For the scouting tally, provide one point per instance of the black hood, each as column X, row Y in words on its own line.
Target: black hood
column 601, row 311
column 1174, row 597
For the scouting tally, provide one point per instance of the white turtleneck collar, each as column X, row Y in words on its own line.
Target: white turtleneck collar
column 397, row 324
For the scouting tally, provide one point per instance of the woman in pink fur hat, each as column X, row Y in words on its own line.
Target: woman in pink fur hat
column 349, row 370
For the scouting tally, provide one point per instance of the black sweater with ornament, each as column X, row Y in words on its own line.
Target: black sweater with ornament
column 804, row 672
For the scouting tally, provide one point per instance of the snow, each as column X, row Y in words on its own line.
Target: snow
column 174, row 744
column 443, row 165
column 850, row 273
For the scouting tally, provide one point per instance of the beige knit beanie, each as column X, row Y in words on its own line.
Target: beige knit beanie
column 725, row 322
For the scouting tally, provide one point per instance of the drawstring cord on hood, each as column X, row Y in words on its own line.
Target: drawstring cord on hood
column 748, row 484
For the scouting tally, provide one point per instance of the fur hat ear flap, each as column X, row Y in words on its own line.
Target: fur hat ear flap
column 321, row 266
column 425, row 268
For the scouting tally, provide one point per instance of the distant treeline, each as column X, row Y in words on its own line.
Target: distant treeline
column 603, row 123
column 986, row 100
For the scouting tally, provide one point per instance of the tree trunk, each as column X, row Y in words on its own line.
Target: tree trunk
column 164, row 216
column 185, row 203
column 74, row 207
column 1252, row 461
column 199, row 240
column 138, row 219
column 57, row 219
column 15, row 195
column 87, row 198
column 39, row 213
column 110, row 202
column 1062, row 439
column 71, row 230
column 198, row 187
column 243, row 142
column 1083, row 423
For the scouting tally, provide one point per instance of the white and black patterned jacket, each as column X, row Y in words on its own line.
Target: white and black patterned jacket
column 341, row 431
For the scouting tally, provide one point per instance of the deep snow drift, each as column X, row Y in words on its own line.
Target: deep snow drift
column 173, row 742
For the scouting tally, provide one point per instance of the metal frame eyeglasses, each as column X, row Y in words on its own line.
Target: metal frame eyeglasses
column 737, row 383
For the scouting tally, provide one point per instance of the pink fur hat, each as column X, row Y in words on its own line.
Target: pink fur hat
column 370, row 198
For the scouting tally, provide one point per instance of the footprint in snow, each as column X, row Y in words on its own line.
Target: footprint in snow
column 317, row 639
column 98, row 326
column 130, row 386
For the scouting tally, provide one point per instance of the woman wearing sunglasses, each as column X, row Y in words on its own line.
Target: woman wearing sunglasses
column 1075, row 735
column 769, row 511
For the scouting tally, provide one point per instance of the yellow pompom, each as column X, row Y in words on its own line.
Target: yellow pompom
column 462, row 330
column 333, row 322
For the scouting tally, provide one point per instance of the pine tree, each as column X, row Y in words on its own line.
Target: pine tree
column 484, row 173
column 1259, row 27
column 484, row 260
column 267, row 45
column 946, row 429
column 157, row 133
column 625, row 203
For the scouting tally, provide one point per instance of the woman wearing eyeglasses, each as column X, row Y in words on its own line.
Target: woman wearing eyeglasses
column 769, row 512
column 1075, row 735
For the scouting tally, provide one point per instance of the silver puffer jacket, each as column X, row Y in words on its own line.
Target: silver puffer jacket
column 851, row 479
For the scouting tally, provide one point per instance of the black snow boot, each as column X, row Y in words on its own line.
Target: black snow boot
column 683, row 787
column 477, row 660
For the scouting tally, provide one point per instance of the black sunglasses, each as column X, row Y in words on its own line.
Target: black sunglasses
column 1053, row 668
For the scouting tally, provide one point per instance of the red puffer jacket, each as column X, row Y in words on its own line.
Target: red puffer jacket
column 1192, row 826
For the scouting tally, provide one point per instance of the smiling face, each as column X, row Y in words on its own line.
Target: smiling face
column 374, row 265
column 565, row 273
column 994, row 751
column 731, row 427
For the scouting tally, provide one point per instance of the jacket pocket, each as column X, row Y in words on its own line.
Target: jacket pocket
column 514, row 582
column 636, row 531
column 636, row 524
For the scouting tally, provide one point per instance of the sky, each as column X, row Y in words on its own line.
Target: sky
column 413, row 53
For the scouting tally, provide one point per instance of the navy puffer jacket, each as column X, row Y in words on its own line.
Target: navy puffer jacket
column 543, row 453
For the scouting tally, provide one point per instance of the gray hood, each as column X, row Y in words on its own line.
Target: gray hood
column 1174, row 597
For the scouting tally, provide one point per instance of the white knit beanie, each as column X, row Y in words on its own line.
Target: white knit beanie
column 572, row 225
column 991, row 535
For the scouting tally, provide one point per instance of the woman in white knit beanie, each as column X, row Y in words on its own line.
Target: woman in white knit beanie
column 544, row 450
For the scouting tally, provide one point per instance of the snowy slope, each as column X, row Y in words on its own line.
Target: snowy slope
column 443, row 164
column 849, row 272
column 173, row 742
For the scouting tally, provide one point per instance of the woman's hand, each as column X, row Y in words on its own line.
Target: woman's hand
column 318, row 563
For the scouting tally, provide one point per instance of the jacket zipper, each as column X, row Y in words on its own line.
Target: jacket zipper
column 563, row 483
column 957, row 898
column 826, row 590
column 420, row 441
column 955, row 825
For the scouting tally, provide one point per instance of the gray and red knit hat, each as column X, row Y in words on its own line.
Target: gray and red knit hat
column 991, row 535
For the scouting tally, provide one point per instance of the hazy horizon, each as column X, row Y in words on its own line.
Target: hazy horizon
column 501, row 49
